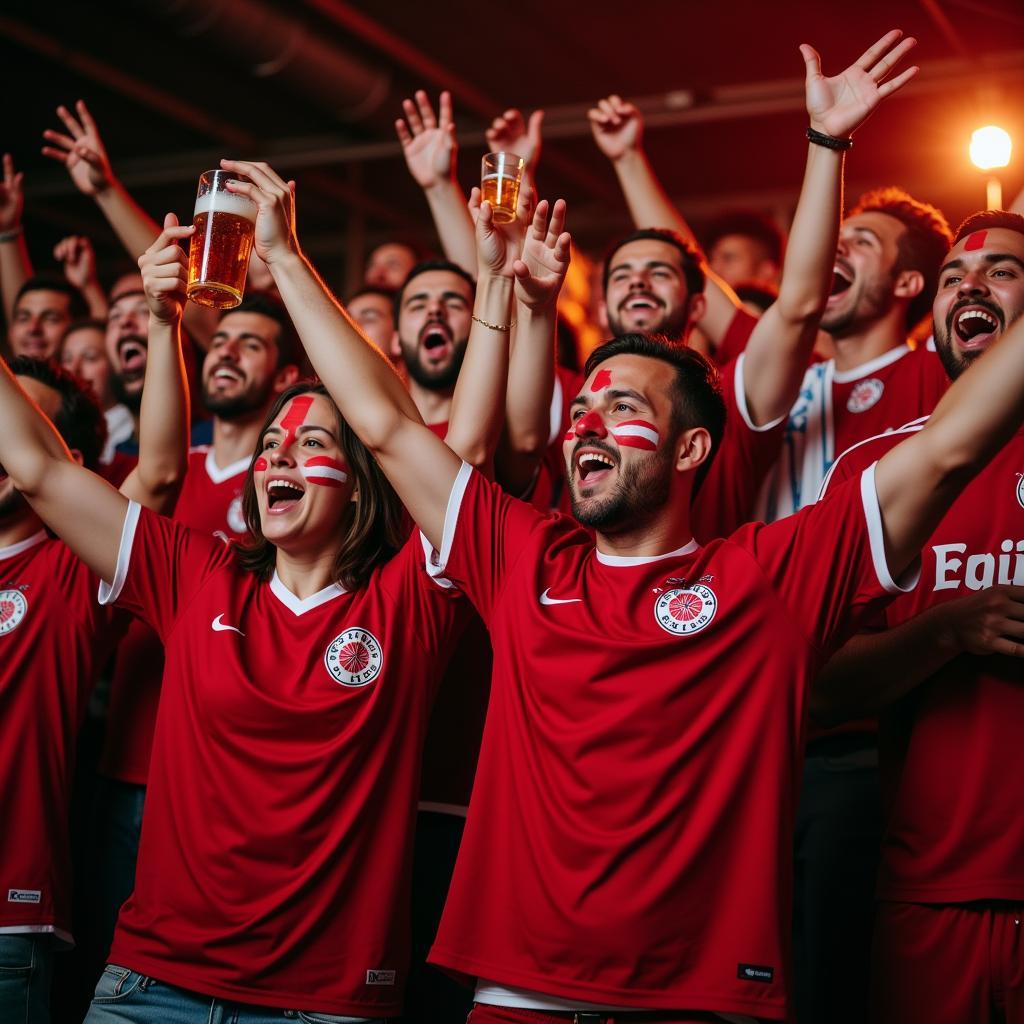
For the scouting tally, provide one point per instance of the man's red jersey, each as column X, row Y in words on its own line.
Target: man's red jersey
column 54, row 639
column 630, row 834
column 951, row 752
column 211, row 501
column 274, row 862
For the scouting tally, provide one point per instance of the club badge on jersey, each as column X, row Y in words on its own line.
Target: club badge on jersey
column 1020, row 489
column 354, row 658
column 13, row 607
column 236, row 517
column 865, row 394
column 686, row 610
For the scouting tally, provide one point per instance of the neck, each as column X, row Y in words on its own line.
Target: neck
column 667, row 530
column 433, row 406
column 305, row 574
column 20, row 528
column 235, row 439
column 871, row 341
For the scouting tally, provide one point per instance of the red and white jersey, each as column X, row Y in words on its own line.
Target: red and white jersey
column 951, row 751
column 837, row 409
column 54, row 638
column 210, row 501
column 274, row 861
column 629, row 840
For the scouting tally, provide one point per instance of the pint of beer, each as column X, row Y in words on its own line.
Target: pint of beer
column 501, row 176
column 225, row 224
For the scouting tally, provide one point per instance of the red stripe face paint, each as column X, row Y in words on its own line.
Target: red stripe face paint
column 325, row 471
column 294, row 418
column 637, row 434
column 590, row 424
column 975, row 240
column 570, row 434
column 601, row 380
column 260, row 465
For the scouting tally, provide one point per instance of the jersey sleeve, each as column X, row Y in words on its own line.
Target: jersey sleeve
column 827, row 562
column 736, row 336
column 161, row 566
column 485, row 533
column 726, row 498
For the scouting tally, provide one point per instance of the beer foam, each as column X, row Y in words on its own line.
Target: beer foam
column 226, row 202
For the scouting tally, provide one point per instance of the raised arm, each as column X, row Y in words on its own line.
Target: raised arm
column 76, row 255
column 369, row 393
column 15, row 265
column 430, row 150
column 781, row 343
column 164, row 417
column 512, row 133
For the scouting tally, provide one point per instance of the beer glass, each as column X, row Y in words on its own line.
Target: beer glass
column 501, row 176
column 225, row 224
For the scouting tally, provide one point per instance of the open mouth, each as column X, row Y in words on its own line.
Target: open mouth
column 283, row 495
column 842, row 279
column 226, row 374
column 593, row 466
column 974, row 325
column 435, row 340
column 132, row 353
column 640, row 304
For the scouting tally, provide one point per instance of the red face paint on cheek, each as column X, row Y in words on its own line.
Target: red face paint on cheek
column 975, row 240
column 570, row 434
column 260, row 465
column 601, row 380
column 325, row 471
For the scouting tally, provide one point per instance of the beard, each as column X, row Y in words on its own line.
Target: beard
column 873, row 303
column 14, row 504
column 953, row 361
column 441, row 379
column 672, row 325
column 237, row 406
column 132, row 399
column 641, row 492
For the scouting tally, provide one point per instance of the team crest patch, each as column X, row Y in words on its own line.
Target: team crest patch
column 13, row 606
column 686, row 610
column 236, row 518
column 354, row 657
column 1020, row 489
column 864, row 395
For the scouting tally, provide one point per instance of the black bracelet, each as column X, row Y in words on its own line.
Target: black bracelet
column 828, row 141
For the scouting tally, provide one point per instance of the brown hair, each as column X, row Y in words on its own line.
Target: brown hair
column 372, row 526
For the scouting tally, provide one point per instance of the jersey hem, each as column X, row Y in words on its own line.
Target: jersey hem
column 674, row 1000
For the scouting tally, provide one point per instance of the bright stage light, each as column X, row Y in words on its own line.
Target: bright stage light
column 990, row 148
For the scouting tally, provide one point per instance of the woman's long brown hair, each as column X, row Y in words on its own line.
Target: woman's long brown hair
column 372, row 525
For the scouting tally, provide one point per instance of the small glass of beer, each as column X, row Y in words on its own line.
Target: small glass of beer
column 500, row 178
column 225, row 224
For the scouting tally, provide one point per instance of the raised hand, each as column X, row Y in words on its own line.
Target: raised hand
column 498, row 246
column 12, row 198
column 81, row 150
column 541, row 271
column 617, row 127
column 275, row 198
column 428, row 144
column 164, row 269
column 78, row 258
column 838, row 106
column 510, row 133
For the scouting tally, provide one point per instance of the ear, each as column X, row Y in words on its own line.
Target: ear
column 285, row 377
column 354, row 496
column 395, row 350
column 76, row 456
column 694, row 447
column 602, row 317
column 909, row 284
column 697, row 307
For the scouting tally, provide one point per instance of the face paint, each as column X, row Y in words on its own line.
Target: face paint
column 294, row 418
column 601, row 380
column 570, row 434
column 636, row 434
column 323, row 470
column 260, row 465
column 590, row 423
column 975, row 240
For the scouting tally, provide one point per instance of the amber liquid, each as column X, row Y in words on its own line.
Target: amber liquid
column 219, row 258
column 502, row 192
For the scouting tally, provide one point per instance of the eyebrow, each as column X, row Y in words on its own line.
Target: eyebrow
column 648, row 264
column 867, row 231
column 994, row 257
column 304, row 429
column 584, row 400
column 444, row 295
column 244, row 336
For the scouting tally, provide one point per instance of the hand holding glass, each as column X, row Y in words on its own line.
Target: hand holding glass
column 501, row 176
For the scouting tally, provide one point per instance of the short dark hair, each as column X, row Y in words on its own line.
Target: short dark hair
column 690, row 258
column 374, row 527
column 425, row 267
column 757, row 293
column 986, row 220
column 77, row 306
column 289, row 350
column 750, row 224
column 79, row 421
column 82, row 324
column 372, row 289
column 923, row 245
column 696, row 395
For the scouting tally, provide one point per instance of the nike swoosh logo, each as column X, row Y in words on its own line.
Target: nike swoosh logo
column 545, row 599
column 219, row 627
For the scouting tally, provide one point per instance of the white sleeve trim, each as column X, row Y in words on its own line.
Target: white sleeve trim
column 873, row 514
column 740, row 391
column 438, row 560
column 110, row 592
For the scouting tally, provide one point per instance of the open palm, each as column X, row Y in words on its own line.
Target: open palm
column 545, row 260
column 81, row 151
column 428, row 142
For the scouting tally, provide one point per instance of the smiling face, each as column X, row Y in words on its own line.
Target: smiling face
column 981, row 292
column 240, row 368
column 646, row 290
column 40, row 318
column 302, row 479
column 127, row 341
column 83, row 353
column 433, row 327
column 619, row 451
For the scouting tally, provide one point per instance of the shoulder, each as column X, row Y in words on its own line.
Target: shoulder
column 859, row 456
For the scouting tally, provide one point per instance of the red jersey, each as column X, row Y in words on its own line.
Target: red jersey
column 629, row 840
column 951, row 753
column 211, row 501
column 274, row 862
column 54, row 638
column 837, row 409
column 550, row 490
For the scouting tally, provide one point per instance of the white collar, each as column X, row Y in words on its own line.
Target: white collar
column 878, row 363
column 218, row 475
column 621, row 560
column 299, row 606
column 23, row 545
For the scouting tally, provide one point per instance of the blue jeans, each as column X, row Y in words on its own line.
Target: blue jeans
column 26, row 966
column 127, row 997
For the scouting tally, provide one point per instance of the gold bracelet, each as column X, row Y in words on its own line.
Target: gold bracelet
column 494, row 327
